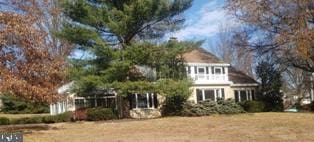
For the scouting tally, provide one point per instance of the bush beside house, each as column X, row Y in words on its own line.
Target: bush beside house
column 97, row 114
column 205, row 108
column 253, row 106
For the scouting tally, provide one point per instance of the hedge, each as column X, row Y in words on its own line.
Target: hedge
column 64, row 117
column 253, row 106
column 208, row 107
column 96, row 114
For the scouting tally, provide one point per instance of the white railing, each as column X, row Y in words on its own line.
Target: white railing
column 209, row 77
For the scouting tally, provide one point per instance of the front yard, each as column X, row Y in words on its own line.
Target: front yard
column 245, row 127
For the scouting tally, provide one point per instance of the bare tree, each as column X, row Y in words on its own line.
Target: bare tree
column 284, row 27
column 229, row 48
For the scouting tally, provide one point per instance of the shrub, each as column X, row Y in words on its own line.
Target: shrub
column 79, row 114
column 253, row 106
column 27, row 120
column 4, row 121
column 64, row 117
column 211, row 107
column 15, row 105
column 228, row 107
column 173, row 105
column 96, row 114
column 312, row 106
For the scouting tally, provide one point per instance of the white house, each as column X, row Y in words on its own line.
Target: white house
column 212, row 79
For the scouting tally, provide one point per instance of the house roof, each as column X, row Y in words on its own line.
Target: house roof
column 238, row 77
column 200, row 55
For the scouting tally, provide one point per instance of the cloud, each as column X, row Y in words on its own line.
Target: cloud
column 205, row 22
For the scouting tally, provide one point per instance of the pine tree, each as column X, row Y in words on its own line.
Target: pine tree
column 119, row 35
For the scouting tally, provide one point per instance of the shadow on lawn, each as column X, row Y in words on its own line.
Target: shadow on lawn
column 26, row 128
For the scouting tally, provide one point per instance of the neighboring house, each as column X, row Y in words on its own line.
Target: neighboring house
column 212, row 79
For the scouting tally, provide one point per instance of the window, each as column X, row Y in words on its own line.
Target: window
column 189, row 69
column 244, row 95
column 217, row 70
column 199, row 95
column 201, row 70
column 253, row 95
column 148, row 100
column 236, row 95
column 79, row 103
column 209, row 94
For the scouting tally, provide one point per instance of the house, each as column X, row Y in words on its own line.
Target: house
column 212, row 79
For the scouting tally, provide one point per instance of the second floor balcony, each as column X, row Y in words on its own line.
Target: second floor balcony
column 208, row 74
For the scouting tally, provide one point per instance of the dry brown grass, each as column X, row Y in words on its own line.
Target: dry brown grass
column 260, row 127
column 12, row 116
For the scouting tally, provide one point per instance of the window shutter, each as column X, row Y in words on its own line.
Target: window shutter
column 223, row 70
column 222, row 93
column 189, row 70
column 195, row 70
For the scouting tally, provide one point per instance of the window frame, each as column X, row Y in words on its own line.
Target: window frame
column 220, row 68
column 249, row 95
column 150, row 101
column 218, row 93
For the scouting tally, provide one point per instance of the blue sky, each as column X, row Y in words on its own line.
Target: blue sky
column 203, row 21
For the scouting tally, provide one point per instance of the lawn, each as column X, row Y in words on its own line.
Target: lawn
column 12, row 116
column 258, row 127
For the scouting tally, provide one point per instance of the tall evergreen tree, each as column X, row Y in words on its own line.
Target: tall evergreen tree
column 116, row 35
column 270, row 79
column 121, row 21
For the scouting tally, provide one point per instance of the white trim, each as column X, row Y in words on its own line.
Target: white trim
column 244, row 85
column 208, row 64
column 136, row 101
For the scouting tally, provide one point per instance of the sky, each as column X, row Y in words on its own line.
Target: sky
column 203, row 21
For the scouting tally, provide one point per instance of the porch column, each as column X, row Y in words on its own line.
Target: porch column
column 95, row 99
column 239, row 96
column 147, row 98
column 51, row 109
column 136, row 105
column 153, row 104
column 203, row 94
column 226, row 74
column 59, row 107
